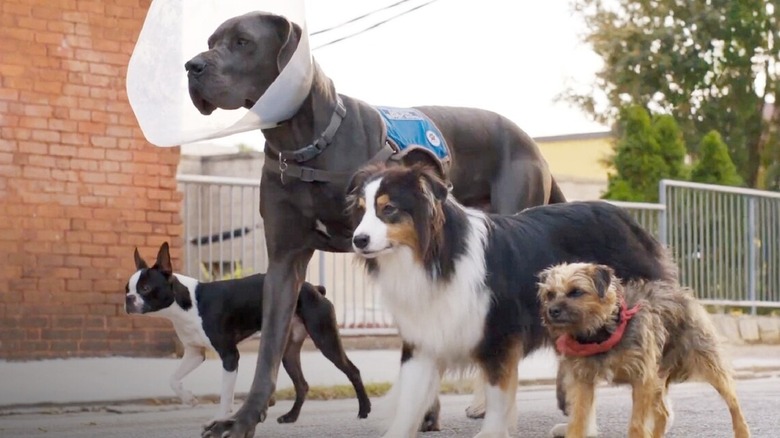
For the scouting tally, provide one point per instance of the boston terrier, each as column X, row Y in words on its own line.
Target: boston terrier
column 220, row 314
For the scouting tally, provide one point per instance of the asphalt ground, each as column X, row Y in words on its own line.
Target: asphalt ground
column 699, row 412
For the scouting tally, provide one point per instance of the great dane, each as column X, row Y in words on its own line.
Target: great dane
column 309, row 161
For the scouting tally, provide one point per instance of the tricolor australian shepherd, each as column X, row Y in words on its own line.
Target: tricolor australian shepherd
column 461, row 284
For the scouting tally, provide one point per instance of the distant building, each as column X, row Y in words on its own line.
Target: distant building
column 576, row 161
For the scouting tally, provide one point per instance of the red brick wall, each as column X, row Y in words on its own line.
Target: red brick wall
column 79, row 186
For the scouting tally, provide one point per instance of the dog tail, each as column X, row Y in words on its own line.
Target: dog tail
column 662, row 256
column 556, row 194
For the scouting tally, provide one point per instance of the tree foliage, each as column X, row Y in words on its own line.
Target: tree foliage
column 647, row 151
column 672, row 146
column 715, row 165
column 712, row 64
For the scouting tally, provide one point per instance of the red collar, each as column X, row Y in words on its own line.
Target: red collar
column 569, row 346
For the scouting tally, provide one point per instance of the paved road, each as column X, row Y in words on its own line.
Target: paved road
column 699, row 413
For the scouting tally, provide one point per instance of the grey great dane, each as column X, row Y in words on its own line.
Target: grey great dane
column 310, row 159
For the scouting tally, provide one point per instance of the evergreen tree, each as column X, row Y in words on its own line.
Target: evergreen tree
column 640, row 161
column 672, row 145
column 715, row 165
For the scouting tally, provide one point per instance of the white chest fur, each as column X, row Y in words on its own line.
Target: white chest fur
column 187, row 323
column 444, row 320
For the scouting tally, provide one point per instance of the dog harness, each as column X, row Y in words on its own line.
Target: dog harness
column 403, row 129
column 408, row 129
column 567, row 345
column 289, row 161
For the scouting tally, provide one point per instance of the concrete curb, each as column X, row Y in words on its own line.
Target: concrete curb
column 748, row 329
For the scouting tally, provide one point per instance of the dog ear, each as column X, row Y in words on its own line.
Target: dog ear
column 139, row 262
column 356, row 181
column 320, row 289
column 360, row 176
column 542, row 275
column 542, row 283
column 431, row 181
column 602, row 278
column 290, row 35
column 163, row 262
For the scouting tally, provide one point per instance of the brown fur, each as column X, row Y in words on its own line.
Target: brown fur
column 404, row 233
column 382, row 201
column 670, row 339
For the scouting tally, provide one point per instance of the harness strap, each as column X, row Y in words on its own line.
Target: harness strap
column 308, row 152
column 310, row 174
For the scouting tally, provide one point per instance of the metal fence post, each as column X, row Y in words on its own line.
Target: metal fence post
column 662, row 222
column 322, row 268
column 752, row 252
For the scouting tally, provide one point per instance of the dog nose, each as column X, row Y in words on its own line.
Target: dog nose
column 554, row 312
column 195, row 65
column 360, row 241
column 129, row 304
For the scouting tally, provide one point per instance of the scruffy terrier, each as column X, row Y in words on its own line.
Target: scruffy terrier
column 645, row 334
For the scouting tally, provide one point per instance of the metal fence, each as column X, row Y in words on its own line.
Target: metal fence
column 726, row 241
column 647, row 214
column 223, row 231
column 223, row 238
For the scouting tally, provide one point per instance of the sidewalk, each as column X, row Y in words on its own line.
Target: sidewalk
column 110, row 380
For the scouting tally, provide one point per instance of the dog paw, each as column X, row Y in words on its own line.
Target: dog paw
column 290, row 417
column 216, row 428
column 228, row 429
column 215, row 418
column 475, row 412
column 558, row 431
column 363, row 411
column 241, row 425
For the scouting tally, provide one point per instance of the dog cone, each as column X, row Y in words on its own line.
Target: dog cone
column 176, row 30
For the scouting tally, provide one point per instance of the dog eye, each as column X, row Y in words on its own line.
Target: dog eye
column 389, row 210
column 550, row 295
column 574, row 293
column 145, row 288
column 241, row 42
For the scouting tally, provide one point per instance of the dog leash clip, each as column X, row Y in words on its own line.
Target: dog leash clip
column 282, row 167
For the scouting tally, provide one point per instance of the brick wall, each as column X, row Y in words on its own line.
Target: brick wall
column 79, row 186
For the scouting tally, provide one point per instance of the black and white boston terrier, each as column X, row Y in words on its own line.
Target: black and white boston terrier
column 220, row 314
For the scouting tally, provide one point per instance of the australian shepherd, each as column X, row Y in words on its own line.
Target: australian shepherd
column 461, row 284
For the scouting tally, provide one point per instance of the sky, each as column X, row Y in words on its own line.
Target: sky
column 512, row 57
